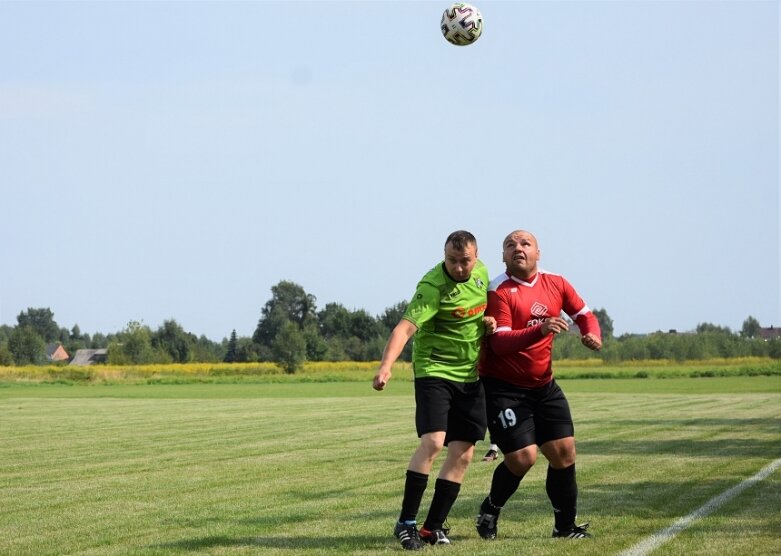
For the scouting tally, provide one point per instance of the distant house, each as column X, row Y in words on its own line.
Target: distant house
column 770, row 333
column 55, row 352
column 90, row 356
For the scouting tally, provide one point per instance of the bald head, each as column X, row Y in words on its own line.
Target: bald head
column 520, row 253
column 521, row 234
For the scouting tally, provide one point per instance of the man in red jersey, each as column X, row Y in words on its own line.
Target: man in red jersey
column 526, row 408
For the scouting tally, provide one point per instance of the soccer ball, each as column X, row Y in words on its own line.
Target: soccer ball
column 462, row 24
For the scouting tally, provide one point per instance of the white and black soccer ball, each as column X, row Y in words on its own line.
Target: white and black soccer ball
column 462, row 24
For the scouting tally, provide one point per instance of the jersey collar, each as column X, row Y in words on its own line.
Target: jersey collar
column 524, row 282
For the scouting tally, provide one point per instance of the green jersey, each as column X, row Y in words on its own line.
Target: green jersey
column 449, row 318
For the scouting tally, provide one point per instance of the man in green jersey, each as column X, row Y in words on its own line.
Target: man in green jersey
column 446, row 317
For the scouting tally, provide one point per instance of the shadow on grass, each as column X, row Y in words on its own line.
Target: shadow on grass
column 763, row 423
column 347, row 543
column 736, row 447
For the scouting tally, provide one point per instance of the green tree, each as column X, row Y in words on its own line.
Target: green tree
column 316, row 346
column 704, row 327
column 605, row 322
column 41, row 320
column 205, row 350
column 363, row 326
column 27, row 346
column 289, row 348
column 334, row 321
column 232, row 353
column 171, row 339
column 6, row 357
column 133, row 346
column 751, row 328
column 392, row 315
column 289, row 303
column 98, row 341
column 75, row 341
column 774, row 348
column 5, row 332
column 247, row 351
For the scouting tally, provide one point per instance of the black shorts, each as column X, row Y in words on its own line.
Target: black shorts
column 458, row 408
column 520, row 417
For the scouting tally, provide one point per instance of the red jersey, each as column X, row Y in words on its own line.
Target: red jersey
column 518, row 352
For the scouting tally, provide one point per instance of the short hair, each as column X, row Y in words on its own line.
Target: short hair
column 460, row 239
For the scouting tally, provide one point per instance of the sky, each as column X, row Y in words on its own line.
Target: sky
column 177, row 159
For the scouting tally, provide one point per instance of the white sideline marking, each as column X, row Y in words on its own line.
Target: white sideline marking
column 659, row 538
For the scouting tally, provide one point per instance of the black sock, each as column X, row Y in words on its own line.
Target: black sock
column 414, row 487
column 562, row 489
column 445, row 494
column 503, row 485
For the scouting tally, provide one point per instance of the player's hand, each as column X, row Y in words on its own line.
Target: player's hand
column 381, row 379
column 554, row 325
column 490, row 325
column 591, row 341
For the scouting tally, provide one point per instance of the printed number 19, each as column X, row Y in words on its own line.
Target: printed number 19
column 507, row 417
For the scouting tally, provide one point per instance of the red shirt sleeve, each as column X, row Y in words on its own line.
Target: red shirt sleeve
column 588, row 324
column 506, row 340
column 579, row 312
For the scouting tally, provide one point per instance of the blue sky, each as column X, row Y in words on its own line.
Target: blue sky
column 177, row 159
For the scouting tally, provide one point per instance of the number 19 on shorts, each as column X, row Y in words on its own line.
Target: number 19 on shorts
column 507, row 418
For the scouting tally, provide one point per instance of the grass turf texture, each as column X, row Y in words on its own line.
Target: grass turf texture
column 319, row 469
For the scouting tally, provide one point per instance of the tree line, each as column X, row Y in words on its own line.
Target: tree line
column 292, row 330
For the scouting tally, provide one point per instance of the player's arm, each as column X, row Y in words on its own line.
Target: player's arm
column 591, row 336
column 422, row 308
column 578, row 311
column 393, row 348
column 490, row 325
column 505, row 340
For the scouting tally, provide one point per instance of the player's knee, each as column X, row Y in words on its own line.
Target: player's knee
column 431, row 446
column 463, row 457
column 560, row 454
column 521, row 461
column 564, row 460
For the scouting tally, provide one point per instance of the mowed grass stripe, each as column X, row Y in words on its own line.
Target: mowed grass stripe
column 126, row 478
column 651, row 543
column 324, row 475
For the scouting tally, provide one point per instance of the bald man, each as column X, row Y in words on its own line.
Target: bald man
column 526, row 408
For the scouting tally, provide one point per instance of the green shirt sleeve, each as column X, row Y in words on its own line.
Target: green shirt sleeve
column 424, row 305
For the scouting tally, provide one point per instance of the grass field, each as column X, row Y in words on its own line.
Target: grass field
column 318, row 469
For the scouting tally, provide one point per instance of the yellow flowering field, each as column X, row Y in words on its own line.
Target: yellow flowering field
column 349, row 371
column 316, row 371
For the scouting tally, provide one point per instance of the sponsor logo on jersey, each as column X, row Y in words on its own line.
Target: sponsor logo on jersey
column 540, row 314
column 461, row 312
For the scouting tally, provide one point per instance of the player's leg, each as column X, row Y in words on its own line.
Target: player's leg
column 446, row 489
column 556, row 434
column 511, row 425
column 432, row 399
column 429, row 448
column 466, row 426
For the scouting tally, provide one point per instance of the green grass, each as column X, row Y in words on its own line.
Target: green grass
column 319, row 469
